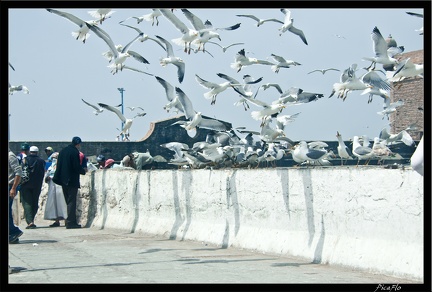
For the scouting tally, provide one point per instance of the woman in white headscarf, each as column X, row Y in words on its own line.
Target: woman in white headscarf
column 56, row 208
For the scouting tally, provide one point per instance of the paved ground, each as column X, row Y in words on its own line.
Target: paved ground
column 91, row 255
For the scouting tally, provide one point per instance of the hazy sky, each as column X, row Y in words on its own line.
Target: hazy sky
column 60, row 71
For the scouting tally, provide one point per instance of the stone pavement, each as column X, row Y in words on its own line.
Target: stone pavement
column 91, row 255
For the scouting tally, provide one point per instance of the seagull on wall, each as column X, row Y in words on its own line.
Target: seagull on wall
column 259, row 21
column 172, row 59
column 343, row 151
column 288, row 25
column 83, row 33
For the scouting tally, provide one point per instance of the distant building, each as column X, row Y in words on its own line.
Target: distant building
column 411, row 91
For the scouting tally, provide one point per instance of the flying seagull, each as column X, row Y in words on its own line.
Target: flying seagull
column 173, row 100
column 171, row 59
column 101, row 14
column 382, row 55
column 97, row 111
column 258, row 20
column 188, row 35
column 119, row 56
column 282, row 63
column 144, row 36
column 127, row 122
column 289, row 25
column 225, row 48
column 323, row 71
column 83, row 33
column 241, row 60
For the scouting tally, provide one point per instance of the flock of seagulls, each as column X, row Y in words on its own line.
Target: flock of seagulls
column 272, row 142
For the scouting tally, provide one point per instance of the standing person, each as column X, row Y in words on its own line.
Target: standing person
column 15, row 173
column 25, row 147
column 55, row 208
column 67, row 175
column 48, row 151
column 31, row 190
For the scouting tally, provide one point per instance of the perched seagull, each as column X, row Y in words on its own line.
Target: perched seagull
column 144, row 37
column 361, row 152
column 101, row 14
column 241, row 60
column 225, row 48
column 206, row 30
column 14, row 88
column 311, row 155
column 282, row 63
column 288, row 24
column 258, row 20
column 173, row 100
column 417, row 15
column 97, row 111
column 119, row 56
column 323, row 71
column 405, row 69
column 195, row 119
column 171, row 59
column 188, row 35
column 390, row 107
column 382, row 55
column 402, row 136
column 380, row 149
column 83, row 33
column 343, row 151
column 215, row 88
column 127, row 122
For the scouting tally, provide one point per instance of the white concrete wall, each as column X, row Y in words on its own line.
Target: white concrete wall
column 367, row 218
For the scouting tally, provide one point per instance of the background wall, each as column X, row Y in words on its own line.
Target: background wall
column 367, row 218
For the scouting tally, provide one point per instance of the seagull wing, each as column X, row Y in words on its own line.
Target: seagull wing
column 138, row 57
column 114, row 110
column 78, row 21
column 136, row 70
column 186, row 103
column 249, row 16
column 212, row 124
column 272, row 19
column 174, row 20
column 278, row 58
column 228, row 78
column 11, row 66
column 379, row 43
column 415, row 14
column 89, row 104
column 105, row 37
column 234, row 44
column 169, row 48
column 205, row 83
column 372, row 78
column 169, row 89
column 298, row 32
column 194, row 20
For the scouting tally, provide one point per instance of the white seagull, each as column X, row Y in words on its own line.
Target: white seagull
column 382, row 55
column 127, row 122
column 390, row 107
column 323, row 71
column 343, row 151
column 101, row 14
column 215, row 88
column 172, row 59
column 97, row 111
column 258, row 20
column 83, row 33
column 361, row 152
column 173, row 100
column 13, row 88
column 195, row 119
column 288, row 24
column 144, row 37
column 243, row 90
column 241, row 60
column 402, row 136
column 188, row 35
column 405, row 69
column 282, row 63
column 206, row 31
column 224, row 48
column 119, row 56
